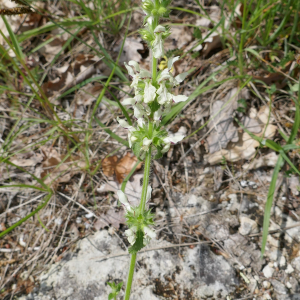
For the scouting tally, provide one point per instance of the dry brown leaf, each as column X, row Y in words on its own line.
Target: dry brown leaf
column 27, row 159
column 109, row 165
column 68, row 76
column 121, row 168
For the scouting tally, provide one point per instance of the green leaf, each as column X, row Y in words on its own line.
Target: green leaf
column 138, row 245
column 13, row 39
column 269, row 203
column 3, row 233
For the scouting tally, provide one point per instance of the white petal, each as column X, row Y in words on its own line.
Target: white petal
column 159, row 29
column 149, row 94
column 141, row 122
column 147, row 142
column 179, row 78
column 174, row 139
column 149, row 232
column 149, row 191
column 123, row 200
column 158, row 47
column 164, row 75
column 128, row 101
column 139, row 111
column 145, row 74
column 171, row 62
column 157, row 115
column 166, row 148
column 135, row 65
column 150, row 19
column 131, row 235
column 123, row 123
column 138, row 98
column 179, row 98
column 130, row 70
column 129, row 139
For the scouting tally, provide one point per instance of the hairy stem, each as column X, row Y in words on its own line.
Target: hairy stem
column 130, row 276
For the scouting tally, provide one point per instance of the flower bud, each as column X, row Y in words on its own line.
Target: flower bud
column 162, row 10
column 154, row 12
column 148, row 6
column 146, row 35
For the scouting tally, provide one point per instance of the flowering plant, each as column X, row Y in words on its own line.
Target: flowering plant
column 148, row 139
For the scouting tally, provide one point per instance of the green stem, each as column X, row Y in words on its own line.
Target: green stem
column 145, row 180
column 130, row 276
column 142, row 208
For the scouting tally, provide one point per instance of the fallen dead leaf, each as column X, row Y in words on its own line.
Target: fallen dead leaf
column 121, row 168
column 245, row 148
column 133, row 188
column 115, row 218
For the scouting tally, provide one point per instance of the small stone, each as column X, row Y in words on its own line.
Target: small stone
column 266, row 284
column 282, row 261
column 275, row 264
column 289, row 269
column 268, row 271
column 248, row 226
column 279, row 287
column 266, row 296
column 296, row 263
column 288, row 285
column 251, row 183
column 243, row 183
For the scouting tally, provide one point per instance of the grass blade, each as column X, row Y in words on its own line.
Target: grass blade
column 269, row 203
column 27, row 217
column 112, row 134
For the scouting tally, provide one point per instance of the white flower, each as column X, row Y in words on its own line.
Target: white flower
column 138, row 74
column 157, row 116
column 146, row 144
column 148, row 235
column 141, row 122
column 139, row 111
column 124, row 124
column 124, row 201
column 150, row 20
column 165, row 98
column 163, row 94
column 179, row 78
column 135, row 65
column 131, row 234
column 166, row 74
column 129, row 101
column 171, row 140
column 158, row 45
column 179, row 98
column 171, row 62
column 149, row 92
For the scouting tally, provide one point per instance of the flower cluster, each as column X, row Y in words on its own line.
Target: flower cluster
column 150, row 102
column 139, row 233
column 152, row 99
